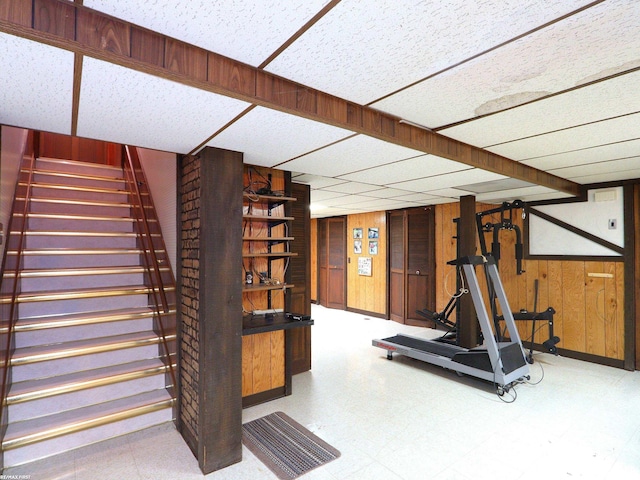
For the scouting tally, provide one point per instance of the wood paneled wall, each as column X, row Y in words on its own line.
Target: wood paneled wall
column 55, row 145
column 367, row 294
column 588, row 296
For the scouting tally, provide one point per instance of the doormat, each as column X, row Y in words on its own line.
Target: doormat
column 285, row 446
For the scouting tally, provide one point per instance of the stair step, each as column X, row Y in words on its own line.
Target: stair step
column 86, row 318
column 32, row 398
column 70, row 239
column 35, row 280
column 38, row 258
column 80, row 167
column 78, row 206
column 56, row 190
column 30, row 390
column 99, row 422
column 66, row 178
column 82, row 300
column 88, row 166
column 34, row 331
column 54, row 295
column 55, row 351
column 76, row 278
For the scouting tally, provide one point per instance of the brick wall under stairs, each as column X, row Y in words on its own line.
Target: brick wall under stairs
column 88, row 364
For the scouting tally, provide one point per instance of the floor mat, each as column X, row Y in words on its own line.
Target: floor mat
column 285, row 446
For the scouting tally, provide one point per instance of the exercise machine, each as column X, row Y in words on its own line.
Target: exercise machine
column 500, row 362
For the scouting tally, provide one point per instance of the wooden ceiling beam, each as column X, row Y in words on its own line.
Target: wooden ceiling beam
column 101, row 36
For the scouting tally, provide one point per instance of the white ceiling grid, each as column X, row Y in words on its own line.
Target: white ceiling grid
column 505, row 75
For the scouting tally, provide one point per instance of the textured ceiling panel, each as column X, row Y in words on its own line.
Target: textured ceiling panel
column 417, row 167
column 36, row 82
column 353, row 187
column 529, row 68
column 316, row 181
column 612, row 166
column 606, row 177
column 383, row 45
column 245, row 31
column 268, row 137
column 395, row 193
column 586, row 136
column 587, row 155
column 130, row 107
column 345, row 200
column 516, row 193
column 320, row 195
column 599, row 101
column 351, row 155
column 465, row 177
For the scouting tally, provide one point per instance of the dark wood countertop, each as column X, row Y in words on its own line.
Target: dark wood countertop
column 264, row 323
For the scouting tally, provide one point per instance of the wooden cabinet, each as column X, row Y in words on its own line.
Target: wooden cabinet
column 266, row 273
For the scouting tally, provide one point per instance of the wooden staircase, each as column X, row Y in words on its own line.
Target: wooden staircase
column 90, row 358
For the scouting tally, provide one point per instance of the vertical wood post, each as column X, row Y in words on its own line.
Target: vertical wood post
column 210, row 323
column 467, row 323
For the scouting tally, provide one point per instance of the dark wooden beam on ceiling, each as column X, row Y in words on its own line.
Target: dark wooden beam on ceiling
column 113, row 40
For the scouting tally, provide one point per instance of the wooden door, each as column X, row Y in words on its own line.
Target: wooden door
column 411, row 264
column 323, row 261
column 420, row 258
column 396, row 266
column 332, row 259
column 299, row 297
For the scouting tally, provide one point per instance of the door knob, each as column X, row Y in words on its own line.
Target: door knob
column 417, row 272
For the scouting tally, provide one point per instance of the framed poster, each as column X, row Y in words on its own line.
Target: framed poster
column 364, row 266
column 373, row 232
column 373, row 247
column 357, row 233
column 357, row 246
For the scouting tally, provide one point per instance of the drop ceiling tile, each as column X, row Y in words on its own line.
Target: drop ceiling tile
column 376, row 205
column 321, row 195
column 451, row 193
column 586, row 136
column 603, row 100
column 394, row 193
column 606, row 177
column 417, row 167
column 246, row 31
column 134, row 108
column 353, row 187
column 449, row 180
column 323, row 212
column 536, row 65
column 316, row 181
column 36, row 83
column 269, row 137
column 392, row 43
column 421, row 198
column 514, row 194
column 345, row 200
column 599, row 168
column 583, row 156
column 351, row 155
